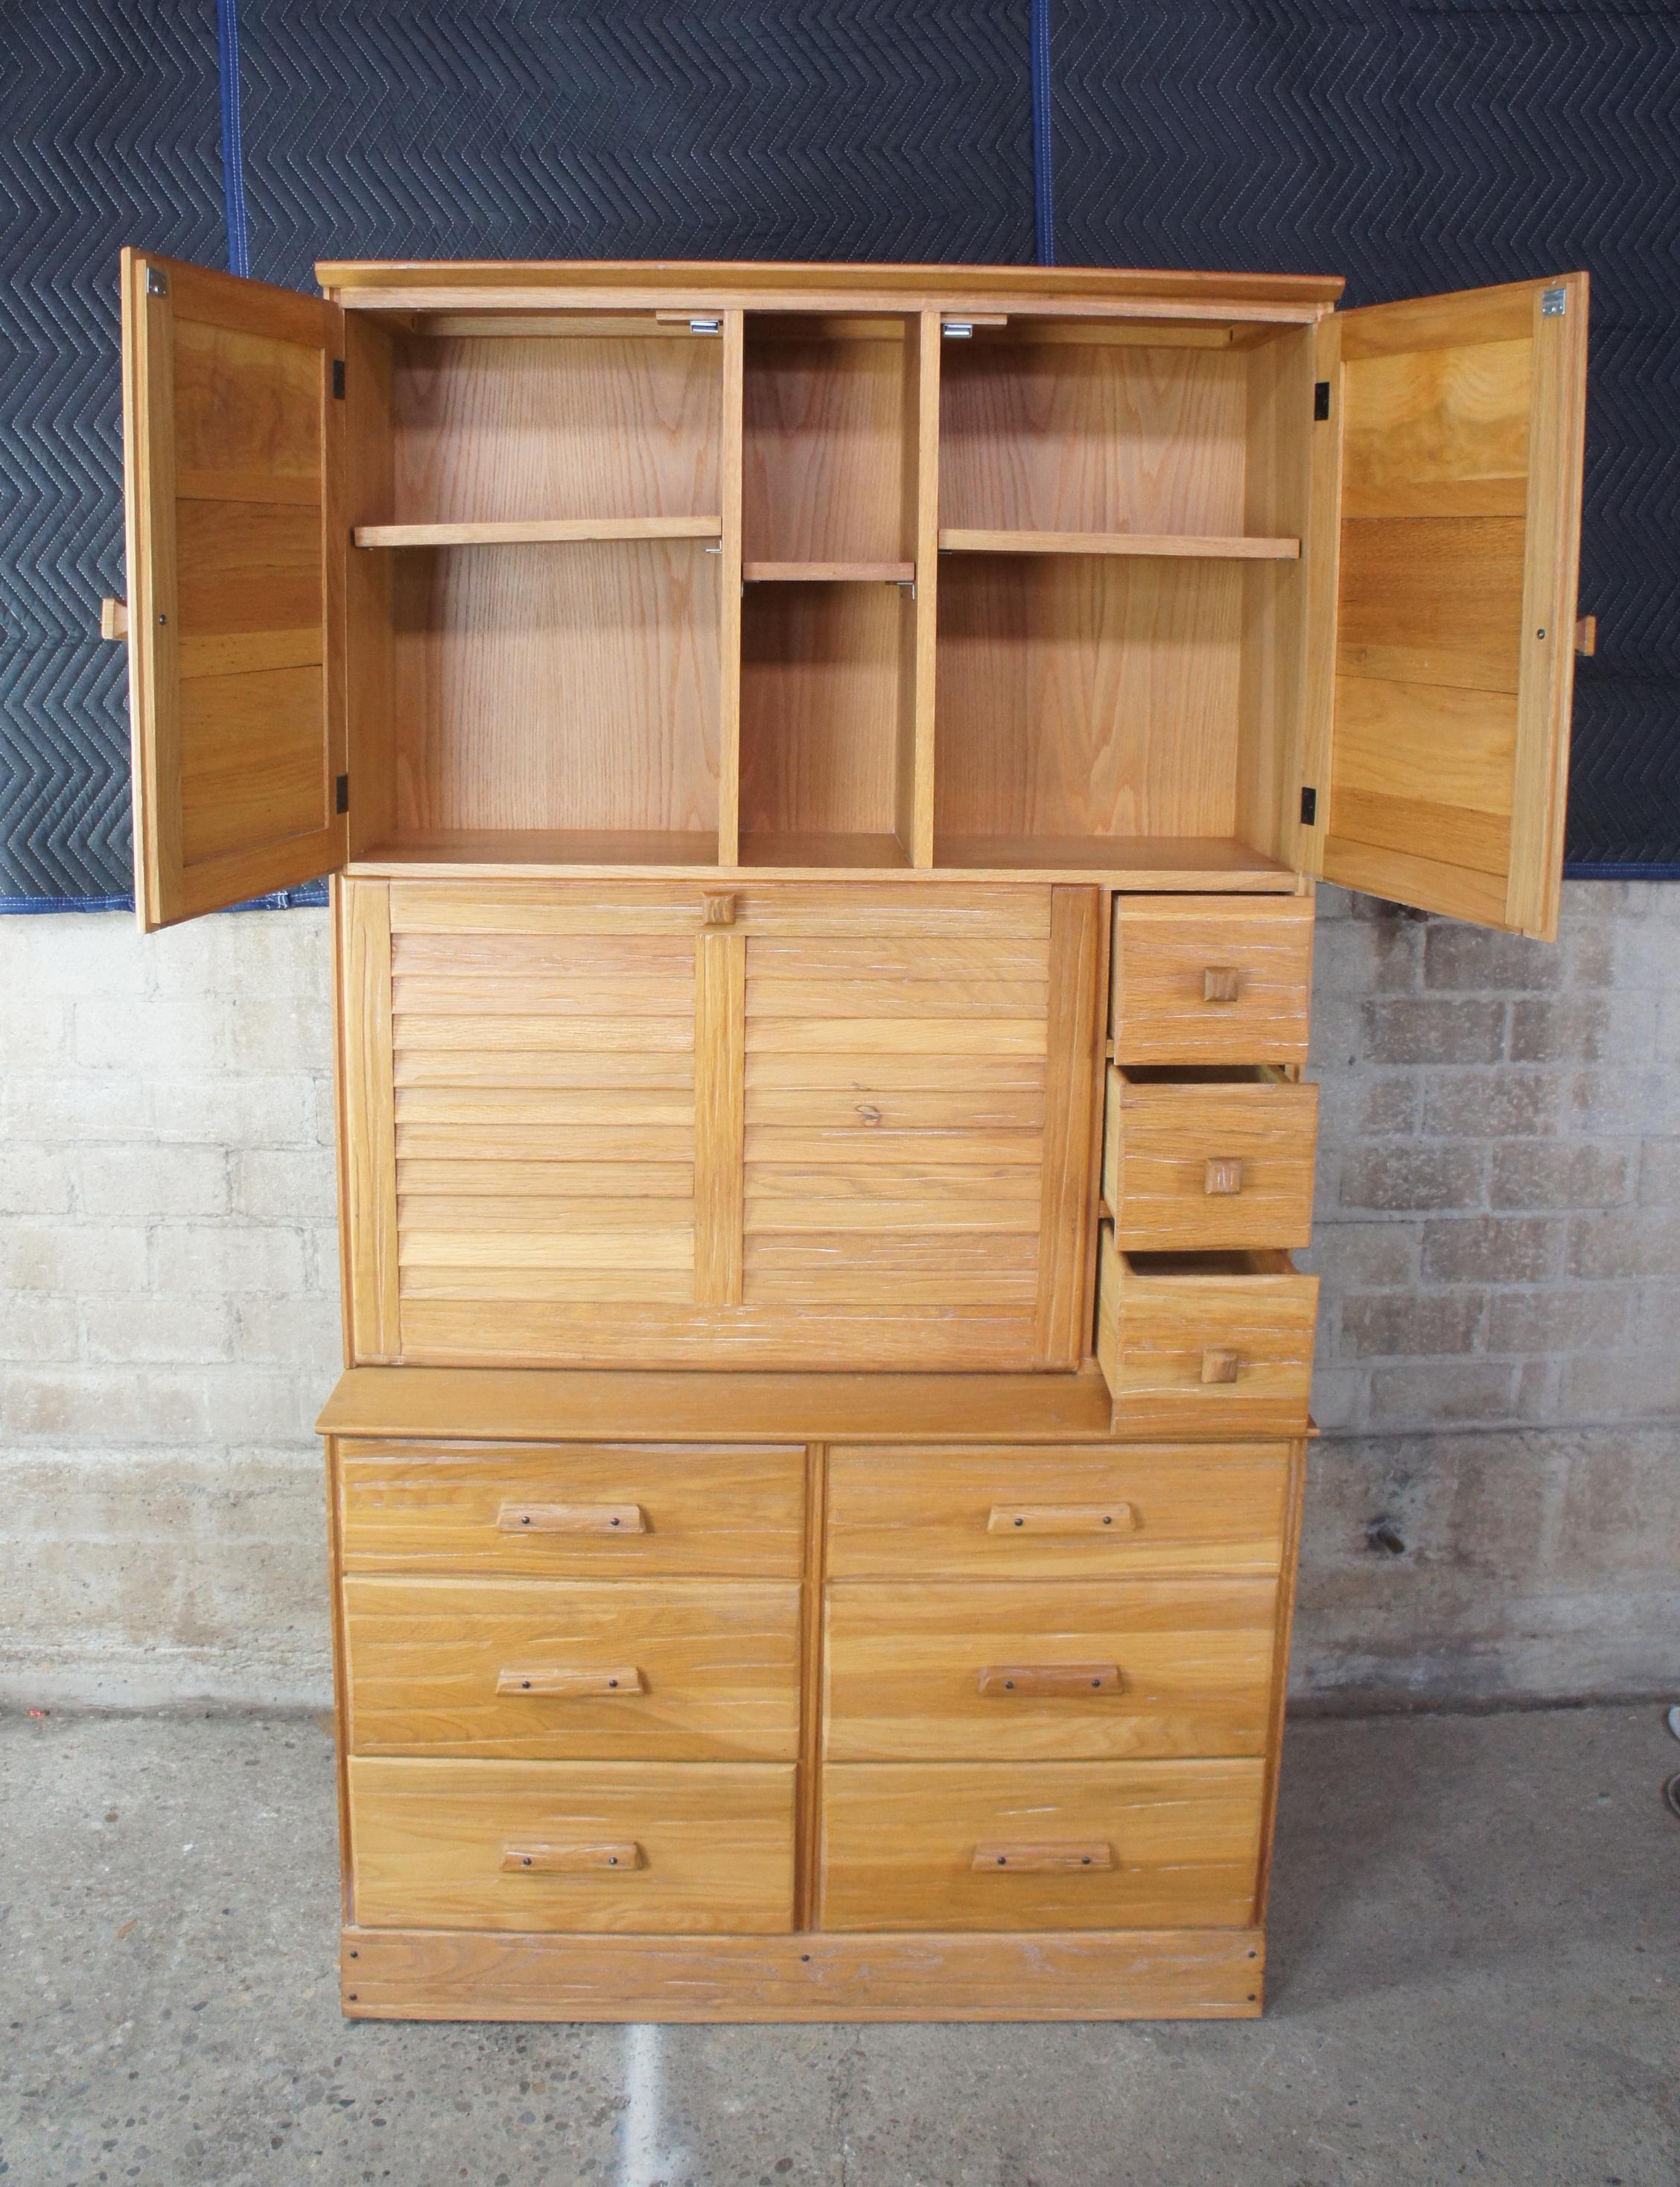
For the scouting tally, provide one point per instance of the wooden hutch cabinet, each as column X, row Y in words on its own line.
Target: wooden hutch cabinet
column 825, row 768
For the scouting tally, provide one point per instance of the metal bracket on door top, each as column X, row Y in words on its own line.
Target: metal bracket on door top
column 1553, row 303
column 157, row 282
column 705, row 326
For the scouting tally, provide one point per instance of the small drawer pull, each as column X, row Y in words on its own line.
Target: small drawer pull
column 568, row 1684
column 1028, row 1680
column 1062, row 1519
column 1219, row 1365
column 1224, row 1176
column 571, row 1519
column 1043, row 1859
column 1221, row 983
column 572, row 1859
column 113, row 618
column 720, row 907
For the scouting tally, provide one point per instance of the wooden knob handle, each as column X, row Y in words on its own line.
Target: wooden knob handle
column 568, row 1683
column 573, row 1860
column 1062, row 1519
column 1028, row 1681
column 1224, row 1176
column 112, row 618
column 1029, row 1859
column 571, row 1519
column 720, row 907
column 1219, row 1365
column 1221, row 983
column 1587, row 635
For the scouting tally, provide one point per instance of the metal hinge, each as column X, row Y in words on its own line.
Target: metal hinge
column 341, row 794
column 1309, row 808
column 1321, row 401
column 157, row 282
column 705, row 326
column 338, row 380
column 1553, row 303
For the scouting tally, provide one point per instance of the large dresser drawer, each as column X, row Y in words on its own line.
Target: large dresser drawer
column 1085, row 1512
column 1216, row 1157
column 573, row 1510
column 1068, row 1845
column 1017, row 1671
column 557, row 1670
column 1219, row 1342
column 1194, row 982
column 654, row 1847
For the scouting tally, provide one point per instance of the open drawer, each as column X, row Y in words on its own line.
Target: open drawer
column 1219, row 1156
column 1208, row 1343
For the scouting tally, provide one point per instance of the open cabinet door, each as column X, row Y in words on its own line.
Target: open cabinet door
column 233, row 441
column 1460, row 423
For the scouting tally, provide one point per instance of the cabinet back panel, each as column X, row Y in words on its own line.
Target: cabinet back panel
column 1090, row 436
column 572, row 687
column 1084, row 696
column 491, row 430
column 824, row 440
column 820, row 706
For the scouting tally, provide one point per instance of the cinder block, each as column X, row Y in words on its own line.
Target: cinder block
column 1633, row 1241
column 163, row 1328
column 1492, row 1249
column 1625, row 1386
column 34, row 1180
column 1435, row 1029
column 104, row 1404
column 271, row 1109
column 73, row 1105
column 1363, row 956
column 147, row 1033
column 197, row 1257
column 1406, row 1176
column 1446, row 1391
column 1473, row 960
column 34, row 1030
column 1660, row 1172
column 280, row 1033
column 1589, row 1174
column 34, row 1325
column 146, row 1179
column 277, row 1184
column 68, row 953
column 275, row 955
column 1569, row 1318
column 249, row 1404
column 302, row 1332
column 1399, row 1325
column 1496, row 1102
column 64, row 1258
column 1365, row 1255
column 1583, row 1028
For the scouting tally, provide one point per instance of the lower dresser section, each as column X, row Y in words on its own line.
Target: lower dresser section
column 804, row 1727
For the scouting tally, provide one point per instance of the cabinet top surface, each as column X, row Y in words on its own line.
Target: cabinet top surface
column 771, row 282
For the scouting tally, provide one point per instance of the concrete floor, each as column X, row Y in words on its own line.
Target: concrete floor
column 1473, row 1977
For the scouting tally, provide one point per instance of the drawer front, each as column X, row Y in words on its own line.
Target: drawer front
column 1012, row 1671
column 1193, row 1163
column 546, row 1670
column 1081, row 1513
column 1222, row 1342
column 572, row 1511
column 1068, row 1845
column 657, row 1848
column 1200, row 983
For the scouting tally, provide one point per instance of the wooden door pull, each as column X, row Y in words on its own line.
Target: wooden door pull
column 112, row 618
column 1062, row 1519
column 1221, row 983
column 720, row 907
column 1224, row 1176
column 1219, row 1365
column 571, row 1519
column 1043, row 1859
column 568, row 1683
column 572, row 1859
column 1027, row 1680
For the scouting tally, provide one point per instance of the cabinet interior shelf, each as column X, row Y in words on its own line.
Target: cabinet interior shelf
column 1157, row 543
column 537, row 531
column 829, row 573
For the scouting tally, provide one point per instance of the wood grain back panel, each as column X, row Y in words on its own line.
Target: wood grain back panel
column 823, row 446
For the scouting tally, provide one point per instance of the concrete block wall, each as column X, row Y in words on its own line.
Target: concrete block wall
column 1492, row 1510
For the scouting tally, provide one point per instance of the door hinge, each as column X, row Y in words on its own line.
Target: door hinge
column 1553, row 303
column 1309, row 808
column 338, row 380
column 1321, row 401
column 341, row 794
column 157, row 281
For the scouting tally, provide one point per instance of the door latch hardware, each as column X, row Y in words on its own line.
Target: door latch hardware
column 1553, row 303
column 705, row 326
column 1321, row 401
column 956, row 329
column 157, row 282
column 338, row 380
column 1309, row 808
column 341, row 794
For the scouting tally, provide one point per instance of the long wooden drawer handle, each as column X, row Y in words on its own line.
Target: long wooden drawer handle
column 570, row 1684
column 1062, row 1519
column 1221, row 983
column 1043, row 1860
column 572, row 1859
column 1224, row 1176
column 1028, row 1679
column 571, row 1519
column 1219, row 1365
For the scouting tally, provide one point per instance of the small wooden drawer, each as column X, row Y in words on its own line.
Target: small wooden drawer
column 1219, row 1340
column 1015, row 1671
column 573, row 1510
column 1195, row 983
column 652, row 1847
column 559, row 1670
column 1085, row 1512
column 1058, row 1845
column 1213, row 1157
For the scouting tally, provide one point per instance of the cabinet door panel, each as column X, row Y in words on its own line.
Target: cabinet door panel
column 235, row 583
column 1461, row 421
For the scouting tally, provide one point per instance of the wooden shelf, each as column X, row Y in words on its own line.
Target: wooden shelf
column 490, row 848
column 1166, row 862
column 829, row 573
column 554, row 531
column 1169, row 544
column 761, row 847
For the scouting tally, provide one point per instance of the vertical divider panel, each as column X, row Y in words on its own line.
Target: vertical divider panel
column 1072, row 1072
column 370, row 1121
column 731, row 457
column 921, row 547
column 1321, row 551
column 813, row 1627
column 720, row 1103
